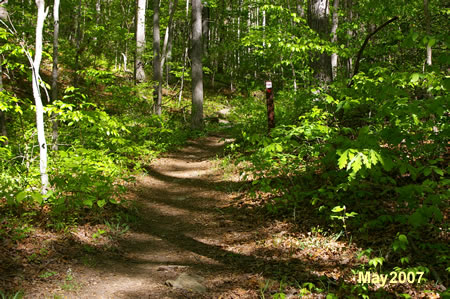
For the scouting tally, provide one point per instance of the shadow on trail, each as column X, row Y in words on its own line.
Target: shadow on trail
column 181, row 224
column 209, row 259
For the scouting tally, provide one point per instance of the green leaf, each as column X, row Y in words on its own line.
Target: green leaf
column 366, row 161
column 21, row 196
column 338, row 209
column 37, row 197
column 356, row 165
column 417, row 219
column 101, row 203
column 415, row 77
column 343, row 160
column 431, row 42
column 403, row 238
column 88, row 202
column 438, row 171
column 446, row 83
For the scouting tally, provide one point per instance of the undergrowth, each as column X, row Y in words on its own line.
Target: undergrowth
column 370, row 161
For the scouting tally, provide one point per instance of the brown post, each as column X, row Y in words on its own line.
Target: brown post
column 270, row 106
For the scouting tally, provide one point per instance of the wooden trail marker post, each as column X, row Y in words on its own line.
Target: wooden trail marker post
column 270, row 106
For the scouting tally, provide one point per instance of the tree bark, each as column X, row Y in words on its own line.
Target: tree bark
column 139, row 72
column 3, row 129
column 334, row 27
column 157, row 71
column 205, row 27
column 42, row 13
column 55, row 71
column 169, row 34
column 264, row 28
column 318, row 13
column 3, row 11
column 197, row 71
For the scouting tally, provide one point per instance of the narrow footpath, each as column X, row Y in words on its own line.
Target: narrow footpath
column 180, row 249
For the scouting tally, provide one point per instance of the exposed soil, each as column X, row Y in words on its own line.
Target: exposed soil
column 182, row 229
column 195, row 221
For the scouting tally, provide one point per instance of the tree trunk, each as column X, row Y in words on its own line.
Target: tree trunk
column 428, row 25
column 294, row 76
column 42, row 13
column 55, row 71
column 125, row 62
column 264, row 28
column 185, row 53
column 169, row 33
column 318, row 13
column 3, row 130
column 197, row 71
column 157, row 72
column 334, row 27
column 139, row 72
column 205, row 27
column 3, row 11
column 167, row 49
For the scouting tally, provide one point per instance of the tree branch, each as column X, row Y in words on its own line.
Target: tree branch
column 366, row 41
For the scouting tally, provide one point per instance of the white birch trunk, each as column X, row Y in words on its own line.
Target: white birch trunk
column 139, row 72
column 168, row 34
column 42, row 13
column 55, row 71
column 264, row 28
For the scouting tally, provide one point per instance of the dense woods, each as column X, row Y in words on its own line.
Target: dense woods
column 92, row 92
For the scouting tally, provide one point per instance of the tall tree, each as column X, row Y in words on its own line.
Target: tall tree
column 42, row 14
column 318, row 12
column 139, row 72
column 55, row 70
column 168, row 37
column 197, row 67
column 334, row 27
column 3, row 130
column 205, row 26
column 157, row 72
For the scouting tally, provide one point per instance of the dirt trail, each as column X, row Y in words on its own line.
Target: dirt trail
column 196, row 225
column 183, row 230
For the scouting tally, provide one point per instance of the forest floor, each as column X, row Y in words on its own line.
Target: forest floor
column 197, row 236
column 185, row 226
